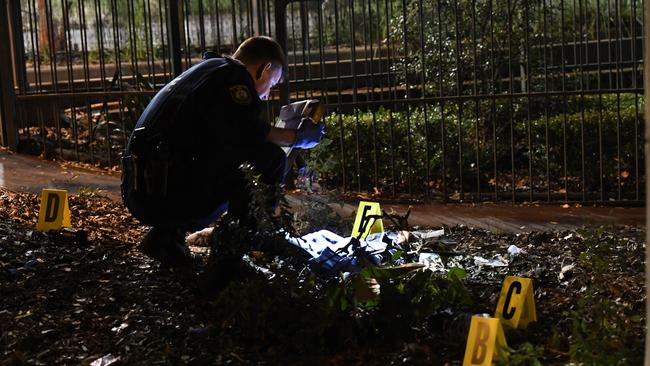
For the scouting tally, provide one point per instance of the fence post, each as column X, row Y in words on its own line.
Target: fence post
column 281, row 38
column 17, row 45
column 646, row 88
column 8, row 130
column 174, row 37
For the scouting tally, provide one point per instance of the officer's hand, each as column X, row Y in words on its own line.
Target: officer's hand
column 309, row 134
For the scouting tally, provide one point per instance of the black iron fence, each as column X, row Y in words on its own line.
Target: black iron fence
column 469, row 100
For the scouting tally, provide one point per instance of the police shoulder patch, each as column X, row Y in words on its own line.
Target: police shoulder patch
column 240, row 94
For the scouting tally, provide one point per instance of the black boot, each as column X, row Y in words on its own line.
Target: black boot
column 167, row 245
column 229, row 243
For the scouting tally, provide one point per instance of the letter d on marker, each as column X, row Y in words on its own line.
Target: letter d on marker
column 52, row 207
column 54, row 212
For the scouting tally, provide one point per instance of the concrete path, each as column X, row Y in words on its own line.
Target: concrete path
column 30, row 174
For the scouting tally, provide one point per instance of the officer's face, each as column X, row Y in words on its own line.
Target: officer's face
column 268, row 77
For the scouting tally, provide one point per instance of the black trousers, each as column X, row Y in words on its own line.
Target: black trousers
column 199, row 190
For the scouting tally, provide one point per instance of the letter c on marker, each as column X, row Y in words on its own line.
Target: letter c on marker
column 508, row 313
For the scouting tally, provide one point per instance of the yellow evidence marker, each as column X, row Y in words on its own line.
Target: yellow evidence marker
column 54, row 212
column 516, row 306
column 364, row 224
column 485, row 342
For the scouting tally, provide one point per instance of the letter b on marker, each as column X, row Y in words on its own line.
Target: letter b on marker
column 480, row 346
column 485, row 342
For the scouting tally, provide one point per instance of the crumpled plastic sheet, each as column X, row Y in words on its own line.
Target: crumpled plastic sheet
column 332, row 254
column 497, row 261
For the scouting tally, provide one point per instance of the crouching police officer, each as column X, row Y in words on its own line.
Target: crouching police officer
column 180, row 168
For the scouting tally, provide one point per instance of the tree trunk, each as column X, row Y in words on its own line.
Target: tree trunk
column 43, row 31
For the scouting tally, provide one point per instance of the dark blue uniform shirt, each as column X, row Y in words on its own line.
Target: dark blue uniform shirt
column 210, row 109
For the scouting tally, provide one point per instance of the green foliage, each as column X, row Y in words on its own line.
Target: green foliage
column 294, row 308
column 526, row 354
column 600, row 333
column 601, row 322
column 442, row 42
column 384, row 140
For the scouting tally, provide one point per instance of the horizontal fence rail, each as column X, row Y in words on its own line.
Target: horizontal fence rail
column 453, row 100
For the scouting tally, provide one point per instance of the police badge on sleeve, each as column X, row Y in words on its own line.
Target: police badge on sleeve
column 240, row 94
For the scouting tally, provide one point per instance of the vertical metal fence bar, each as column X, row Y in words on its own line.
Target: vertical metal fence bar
column 116, row 45
column 565, row 106
column 370, row 96
column 34, row 35
column 476, row 103
column 133, row 43
column 174, row 34
column 149, row 43
column 51, row 48
column 233, row 18
column 493, row 89
column 423, row 76
column 67, row 46
column 307, row 47
column 293, row 49
column 583, row 84
column 100, row 43
column 353, row 73
column 511, row 90
column 442, row 103
column 84, row 44
column 337, row 37
column 8, row 126
column 217, row 25
column 202, row 43
column 391, row 56
column 91, row 128
column 601, row 170
column 321, row 47
column 409, row 142
column 637, row 176
column 619, row 86
column 187, row 33
column 459, row 92
column 164, row 35
column 529, row 77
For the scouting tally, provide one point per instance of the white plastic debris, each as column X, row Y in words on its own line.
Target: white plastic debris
column 316, row 242
column 514, row 250
column 120, row 328
column 428, row 234
column 496, row 262
column 107, row 360
column 432, row 261
column 566, row 269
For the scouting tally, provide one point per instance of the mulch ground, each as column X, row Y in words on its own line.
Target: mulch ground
column 73, row 297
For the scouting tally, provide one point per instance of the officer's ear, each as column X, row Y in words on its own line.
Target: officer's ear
column 263, row 67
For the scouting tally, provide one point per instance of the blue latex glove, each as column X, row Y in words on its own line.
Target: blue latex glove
column 309, row 134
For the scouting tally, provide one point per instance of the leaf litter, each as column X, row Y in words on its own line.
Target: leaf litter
column 87, row 296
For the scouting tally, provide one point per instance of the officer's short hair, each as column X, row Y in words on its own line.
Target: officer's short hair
column 261, row 49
